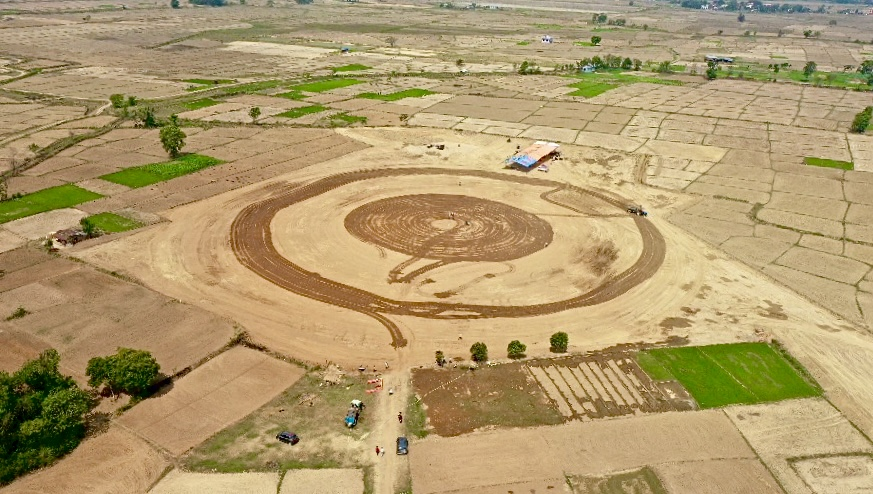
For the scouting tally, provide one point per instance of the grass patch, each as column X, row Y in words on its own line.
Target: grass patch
column 619, row 78
column 140, row 176
column 63, row 196
column 720, row 375
column 353, row 67
column 325, row 85
column 209, row 82
column 779, row 57
column 505, row 397
column 591, row 89
column 523, row 43
column 549, row 26
column 113, row 223
column 407, row 93
column 308, row 408
column 826, row 163
column 348, row 119
column 251, row 87
column 200, row 103
column 299, row 112
column 583, row 43
column 295, row 95
column 415, row 418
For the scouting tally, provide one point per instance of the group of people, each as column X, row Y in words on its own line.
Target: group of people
column 380, row 451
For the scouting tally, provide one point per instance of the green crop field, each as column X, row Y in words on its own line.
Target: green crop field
column 349, row 119
column 113, row 223
column 140, row 176
column 842, row 165
column 351, row 68
column 295, row 95
column 407, row 93
column 200, row 103
column 523, row 43
column 325, row 85
column 720, row 375
column 591, row 89
column 62, row 196
column 299, row 112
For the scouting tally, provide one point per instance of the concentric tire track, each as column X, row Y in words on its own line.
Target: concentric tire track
column 251, row 241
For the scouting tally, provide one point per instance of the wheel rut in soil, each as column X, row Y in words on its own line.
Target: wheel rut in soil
column 417, row 225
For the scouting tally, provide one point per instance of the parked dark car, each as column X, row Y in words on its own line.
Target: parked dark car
column 402, row 446
column 288, row 437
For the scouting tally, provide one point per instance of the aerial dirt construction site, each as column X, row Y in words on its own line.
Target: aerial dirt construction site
column 384, row 247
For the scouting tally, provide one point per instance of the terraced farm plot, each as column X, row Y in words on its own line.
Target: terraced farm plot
column 605, row 385
column 721, row 375
column 407, row 93
column 326, row 85
column 643, row 480
column 140, row 176
column 299, row 112
column 200, row 103
column 63, row 196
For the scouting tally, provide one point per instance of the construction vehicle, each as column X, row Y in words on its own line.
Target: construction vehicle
column 637, row 210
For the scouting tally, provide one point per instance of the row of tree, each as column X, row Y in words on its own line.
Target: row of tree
column 42, row 412
column 479, row 351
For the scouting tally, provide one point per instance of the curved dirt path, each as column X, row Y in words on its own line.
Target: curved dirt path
column 251, row 241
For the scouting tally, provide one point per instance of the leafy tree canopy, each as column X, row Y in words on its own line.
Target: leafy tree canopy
column 128, row 371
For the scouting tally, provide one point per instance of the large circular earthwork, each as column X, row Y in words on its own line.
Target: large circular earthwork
column 450, row 227
column 430, row 230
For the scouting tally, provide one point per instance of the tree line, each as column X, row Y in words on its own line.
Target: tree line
column 43, row 412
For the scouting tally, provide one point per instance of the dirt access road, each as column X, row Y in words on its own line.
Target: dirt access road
column 251, row 240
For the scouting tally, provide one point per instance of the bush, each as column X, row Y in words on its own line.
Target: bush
column 479, row 352
column 595, row 40
column 117, row 100
column 440, row 358
column 18, row 313
column 516, row 349
column 558, row 342
column 862, row 120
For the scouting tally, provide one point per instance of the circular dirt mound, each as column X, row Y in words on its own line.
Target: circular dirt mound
column 450, row 227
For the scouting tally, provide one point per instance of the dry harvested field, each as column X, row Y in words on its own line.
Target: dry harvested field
column 368, row 244
column 113, row 461
column 807, row 444
column 83, row 312
column 210, row 398
column 178, row 482
column 697, row 442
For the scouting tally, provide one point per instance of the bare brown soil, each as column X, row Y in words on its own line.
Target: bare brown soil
column 113, row 462
column 460, row 401
column 210, row 398
column 83, row 312
column 251, row 241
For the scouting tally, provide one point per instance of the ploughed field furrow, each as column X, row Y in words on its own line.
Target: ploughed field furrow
column 251, row 241
column 602, row 385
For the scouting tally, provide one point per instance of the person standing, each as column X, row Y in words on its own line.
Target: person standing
column 377, row 450
column 400, row 417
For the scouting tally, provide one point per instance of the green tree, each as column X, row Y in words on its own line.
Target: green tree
column 172, row 138
column 638, row 64
column 117, row 100
column 128, row 371
column 516, row 349
column 255, row 112
column 174, row 4
column 131, row 101
column 711, row 70
column 862, row 120
column 627, row 64
column 88, row 228
column 558, row 342
column 866, row 67
column 809, row 69
column 595, row 40
column 41, row 416
column 146, row 117
column 440, row 358
column 479, row 352
column 741, row 17
column 807, row 33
